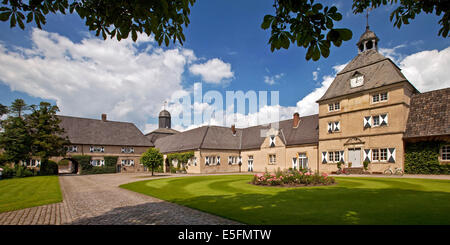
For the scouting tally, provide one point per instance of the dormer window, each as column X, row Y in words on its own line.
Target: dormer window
column 357, row 80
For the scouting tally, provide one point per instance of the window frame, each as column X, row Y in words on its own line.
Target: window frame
column 335, row 106
column 274, row 158
column 381, row 97
column 441, row 153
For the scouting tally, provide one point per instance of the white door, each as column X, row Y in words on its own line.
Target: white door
column 354, row 156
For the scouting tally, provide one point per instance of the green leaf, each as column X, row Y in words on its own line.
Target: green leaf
column 345, row 34
column 29, row 17
column 134, row 35
column 5, row 16
column 267, row 21
column 13, row 21
column 166, row 40
column 316, row 53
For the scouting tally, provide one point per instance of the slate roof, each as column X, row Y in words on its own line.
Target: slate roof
column 377, row 70
column 98, row 132
column 159, row 133
column 222, row 138
column 429, row 114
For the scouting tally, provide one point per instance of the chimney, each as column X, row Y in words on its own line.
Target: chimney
column 296, row 120
column 233, row 129
column 104, row 117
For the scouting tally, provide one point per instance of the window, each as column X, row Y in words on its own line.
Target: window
column 376, row 121
column 375, row 155
column 334, row 127
column 232, row 160
column 383, row 154
column 97, row 162
column 303, row 160
column 379, row 97
column 272, row 159
column 445, row 153
column 334, row 106
column 375, row 98
column 127, row 150
column 128, row 162
column 336, row 156
column 72, row 148
column 97, row 149
column 330, row 157
column 195, row 161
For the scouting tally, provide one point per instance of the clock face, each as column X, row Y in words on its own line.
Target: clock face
column 357, row 81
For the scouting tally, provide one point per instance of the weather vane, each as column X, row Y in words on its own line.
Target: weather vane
column 164, row 106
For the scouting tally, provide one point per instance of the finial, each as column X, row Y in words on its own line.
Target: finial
column 367, row 18
column 164, row 106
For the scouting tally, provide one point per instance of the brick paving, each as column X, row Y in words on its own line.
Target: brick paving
column 97, row 200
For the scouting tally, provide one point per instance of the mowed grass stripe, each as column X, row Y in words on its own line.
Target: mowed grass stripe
column 19, row 193
column 351, row 201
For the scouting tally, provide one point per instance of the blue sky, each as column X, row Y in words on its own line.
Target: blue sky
column 225, row 31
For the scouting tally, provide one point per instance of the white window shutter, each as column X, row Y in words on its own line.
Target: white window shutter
column 218, row 160
column 324, row 157
column 383, row 119
column 239, row 159
column 294, row 163
column 207, row 160
column 391, row 155
column 330, row 127
column 341, row 159
column 229, row 160
column 272, row 141
column 368, row 122
column 337, row 126
column 367, row 155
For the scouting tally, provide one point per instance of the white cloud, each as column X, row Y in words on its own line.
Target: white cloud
column 213, row 71
column 392, row 53
column 427, row 70
column 271, row 80
column 128, row 81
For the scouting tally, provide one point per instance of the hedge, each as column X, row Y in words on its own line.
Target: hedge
column 99, row 170
column 423, row 158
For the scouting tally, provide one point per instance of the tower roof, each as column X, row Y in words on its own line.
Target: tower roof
column 367, row 35
column 164, row 113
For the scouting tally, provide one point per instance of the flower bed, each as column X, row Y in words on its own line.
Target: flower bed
column 292, row 178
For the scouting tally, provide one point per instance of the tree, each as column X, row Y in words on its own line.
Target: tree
column 307, row 24
column 164, row 19
column 45, row 132
column 15, row 140
column 3, row 110
column 18, row 107
column 152, row 158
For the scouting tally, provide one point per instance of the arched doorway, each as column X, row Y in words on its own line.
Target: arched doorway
column 68, row 166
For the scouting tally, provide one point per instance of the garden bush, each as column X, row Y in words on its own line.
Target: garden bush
column 99, row 170
column 8, row 172
column 292, row 178
column 48, row 168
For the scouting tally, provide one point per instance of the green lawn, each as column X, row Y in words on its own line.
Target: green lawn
column 351, row 201
column 19, row 193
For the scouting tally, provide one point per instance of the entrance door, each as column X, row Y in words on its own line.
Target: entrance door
column 354, row 156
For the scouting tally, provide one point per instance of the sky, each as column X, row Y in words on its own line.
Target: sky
column 225, row 50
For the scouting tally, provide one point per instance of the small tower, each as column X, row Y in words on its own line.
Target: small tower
column 368, row 40
column 164, row 118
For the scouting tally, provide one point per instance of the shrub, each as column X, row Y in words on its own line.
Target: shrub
column 110, row 160
column 84, row 162
column 48, row 168
column 99, row 170
column 366, row 165
column 292, row 177
column 8, row 172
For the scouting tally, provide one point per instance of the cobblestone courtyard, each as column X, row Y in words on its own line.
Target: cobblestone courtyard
column 97, row 199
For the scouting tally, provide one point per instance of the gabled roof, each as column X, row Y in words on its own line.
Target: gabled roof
column 377, row 70
column 222, row 138
column 429, row 114
column 98, row 132
column 159, row 133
